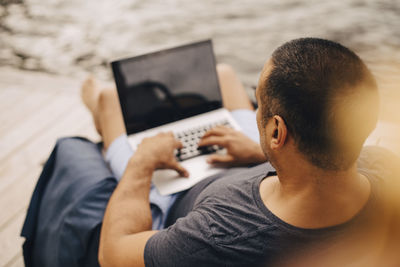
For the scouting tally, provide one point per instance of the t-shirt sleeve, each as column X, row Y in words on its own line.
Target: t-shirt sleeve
column 188, row 242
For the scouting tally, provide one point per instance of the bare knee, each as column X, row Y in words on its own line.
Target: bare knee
column 224, row 69
column 108, row 100
column 234, row 95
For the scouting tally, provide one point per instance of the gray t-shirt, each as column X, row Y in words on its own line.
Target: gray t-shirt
column 229, row 225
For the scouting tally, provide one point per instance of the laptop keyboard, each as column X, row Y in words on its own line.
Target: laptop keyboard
column 191, row 137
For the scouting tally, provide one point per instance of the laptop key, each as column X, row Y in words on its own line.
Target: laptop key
column 190, row 139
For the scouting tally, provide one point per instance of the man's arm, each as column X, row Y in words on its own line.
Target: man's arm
column 241, row 150
column 127, row 221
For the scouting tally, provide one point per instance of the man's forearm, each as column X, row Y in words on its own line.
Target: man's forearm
column 127, row 221
column 128, row 211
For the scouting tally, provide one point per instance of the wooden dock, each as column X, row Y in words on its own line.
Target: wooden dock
column 36, row 109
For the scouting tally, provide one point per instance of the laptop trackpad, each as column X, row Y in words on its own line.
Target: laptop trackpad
column 169, row 182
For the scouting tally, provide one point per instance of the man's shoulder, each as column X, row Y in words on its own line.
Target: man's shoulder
column 235, row 189
column 233, row 206
column 235, row 181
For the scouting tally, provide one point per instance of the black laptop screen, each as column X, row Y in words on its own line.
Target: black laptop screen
column 167, row 86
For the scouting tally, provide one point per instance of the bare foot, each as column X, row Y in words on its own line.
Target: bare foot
column 90, row 93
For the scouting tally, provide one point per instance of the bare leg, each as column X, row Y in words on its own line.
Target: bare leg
column 234, row 95
column 90, row 92
column 105, row 109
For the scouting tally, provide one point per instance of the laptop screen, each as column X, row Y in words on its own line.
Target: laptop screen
column 166, row 86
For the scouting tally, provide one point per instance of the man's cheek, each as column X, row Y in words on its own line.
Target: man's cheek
column 258, row 119
column 262, row 143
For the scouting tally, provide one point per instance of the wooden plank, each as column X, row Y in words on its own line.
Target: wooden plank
column 84, row 129
column 16, row 261
column 64, row 124
column 13, row 247
column 33, row 126
column 30, row 102
column 37, row 150
column 19, row 163
column 13, row 88
column 20, row 180
column 10, row 241
column 17, row 196
column 30, row 80
column 9, row 97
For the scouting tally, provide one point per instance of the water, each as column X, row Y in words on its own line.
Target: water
column 75, row 37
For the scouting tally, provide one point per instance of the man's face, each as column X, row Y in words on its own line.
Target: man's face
column 260, row 123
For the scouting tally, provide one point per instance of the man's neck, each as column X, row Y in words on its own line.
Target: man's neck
column 308, row 197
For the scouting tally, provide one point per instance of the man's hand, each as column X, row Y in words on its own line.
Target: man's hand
column 158, row 151
column 241, row 149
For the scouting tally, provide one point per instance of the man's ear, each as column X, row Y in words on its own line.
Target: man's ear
column 279, row 132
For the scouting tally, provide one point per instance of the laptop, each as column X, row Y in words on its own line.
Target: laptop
column 176, row 90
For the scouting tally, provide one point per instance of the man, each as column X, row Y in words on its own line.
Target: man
column 318, row 102
column 312, row 95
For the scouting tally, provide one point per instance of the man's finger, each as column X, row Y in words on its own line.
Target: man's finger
column 215, row 158
column 178, row 144
column 218, row 131
column 180, row 169
column 213, row 140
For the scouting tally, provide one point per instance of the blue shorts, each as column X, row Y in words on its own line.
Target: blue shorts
column 120, row 151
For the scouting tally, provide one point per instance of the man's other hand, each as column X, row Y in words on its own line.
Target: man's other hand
column 159, row 152
column 241, row 150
